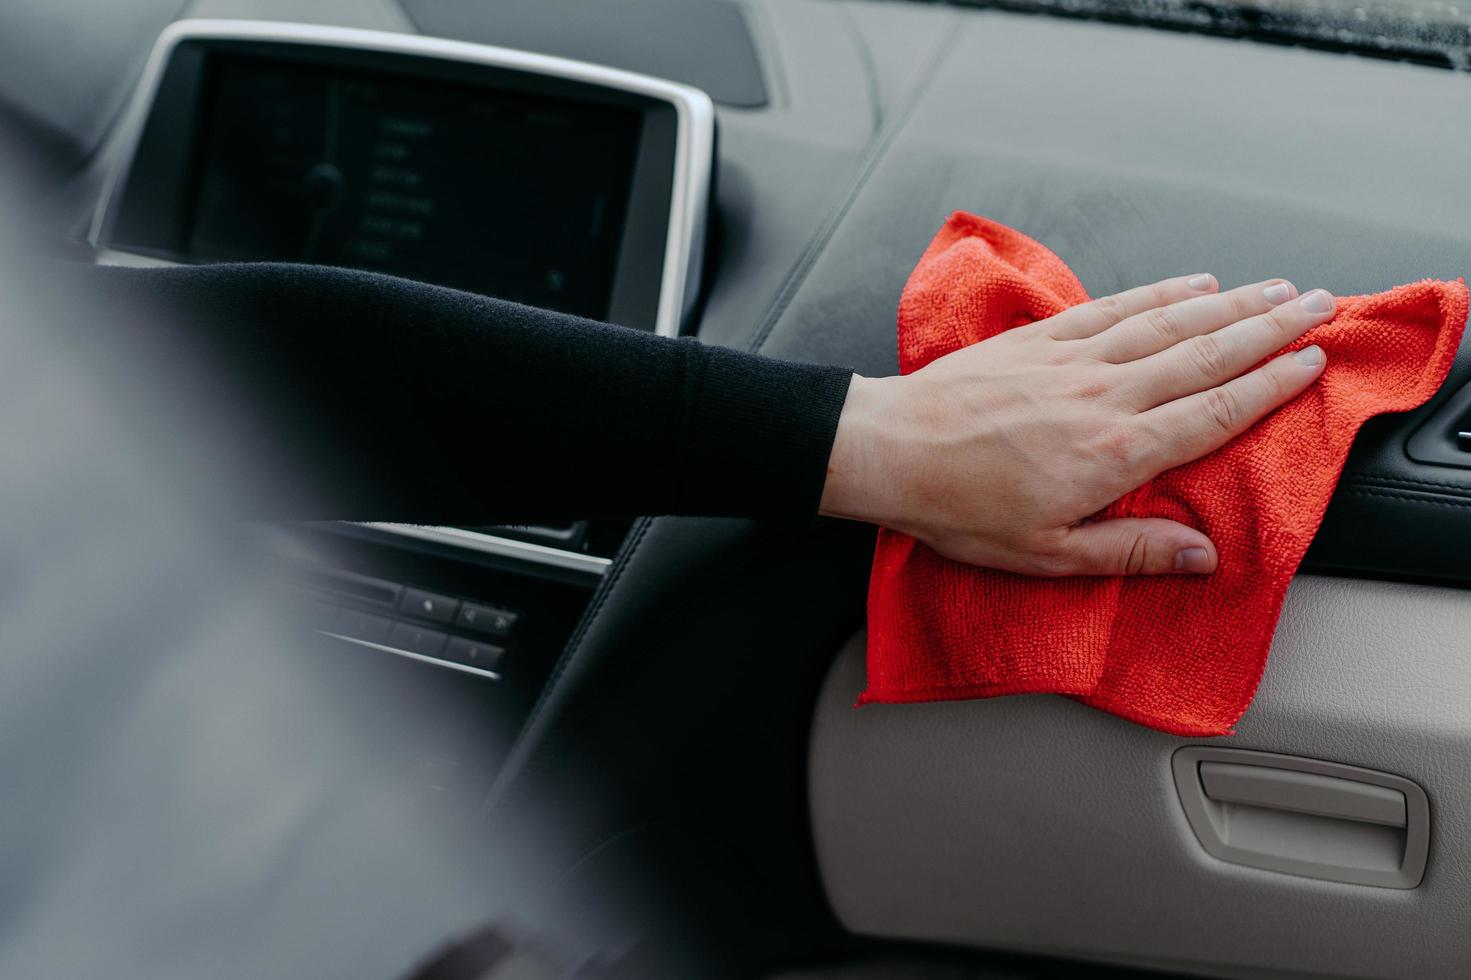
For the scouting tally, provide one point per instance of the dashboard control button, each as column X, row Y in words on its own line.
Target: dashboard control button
column 486, row 619
column 417, row 639
column 473, row 653
column 362, row 626
column 428, row 605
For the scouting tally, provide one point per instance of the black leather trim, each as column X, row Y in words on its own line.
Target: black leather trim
column 1414, row 496
column 1394, row 517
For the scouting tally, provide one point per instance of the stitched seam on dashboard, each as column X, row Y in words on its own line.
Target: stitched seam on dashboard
column 1414, row 491
column 819, row 242
column 1399, row 481
column 574, row 643
column 1411, row 497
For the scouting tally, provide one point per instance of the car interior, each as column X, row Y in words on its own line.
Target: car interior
column 665, row 706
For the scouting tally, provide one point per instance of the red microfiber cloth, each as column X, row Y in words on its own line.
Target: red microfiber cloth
column 1180, row 653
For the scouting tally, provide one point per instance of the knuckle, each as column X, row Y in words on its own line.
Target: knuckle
column 1120, row 447
column 1152, row 441
column 1280, row 322
column 1061, row 353
column 1274, row 384
column 1223, row 408
column 1091, row 388
column 1208, row 355
column 1238, row 307
column 1111, row 308
column 1163, row 322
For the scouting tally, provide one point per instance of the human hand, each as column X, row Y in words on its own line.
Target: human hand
column 997, row 453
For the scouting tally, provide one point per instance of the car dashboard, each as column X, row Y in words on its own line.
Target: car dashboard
column 252, row 141
column 669, row 667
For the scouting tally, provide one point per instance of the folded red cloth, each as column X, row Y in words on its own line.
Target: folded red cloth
column 1180, row 653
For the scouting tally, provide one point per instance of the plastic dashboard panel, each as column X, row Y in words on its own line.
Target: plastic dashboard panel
column 1035, row 823
column 1134, row 154
column 704, row 43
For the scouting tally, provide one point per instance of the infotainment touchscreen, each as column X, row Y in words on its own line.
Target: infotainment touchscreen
column 519, row 196
column 560, row 184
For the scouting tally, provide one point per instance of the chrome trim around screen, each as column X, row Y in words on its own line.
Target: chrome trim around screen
column 684, row 243
column 694, row 144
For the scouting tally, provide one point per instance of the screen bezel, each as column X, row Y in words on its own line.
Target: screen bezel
column 143, row 212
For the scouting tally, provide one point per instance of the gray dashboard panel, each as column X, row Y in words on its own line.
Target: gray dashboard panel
column 1123, row 150
column 1134, row 154
column 1137, row 154
column 375, row 15
column 704, row 43
column 1036, row 823
column 71, row 80
column 785, row 169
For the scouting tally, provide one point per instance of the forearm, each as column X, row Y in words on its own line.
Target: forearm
column 372, row 398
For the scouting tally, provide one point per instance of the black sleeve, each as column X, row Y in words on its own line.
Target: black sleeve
column 334, row 394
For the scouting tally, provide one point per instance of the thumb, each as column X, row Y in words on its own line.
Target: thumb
column 1137, row 546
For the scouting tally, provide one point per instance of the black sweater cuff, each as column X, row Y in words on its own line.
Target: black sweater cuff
column 758, row 434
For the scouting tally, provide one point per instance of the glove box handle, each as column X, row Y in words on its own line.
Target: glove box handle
column 1305, row 816
column 1302, row 792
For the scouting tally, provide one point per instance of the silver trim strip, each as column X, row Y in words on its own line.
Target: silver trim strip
column 694, row 137
column 490, row 544
column 432, row 661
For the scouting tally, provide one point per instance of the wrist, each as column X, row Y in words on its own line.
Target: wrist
column 857, row 485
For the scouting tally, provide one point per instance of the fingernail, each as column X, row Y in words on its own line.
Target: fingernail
column 1317, row 302
column 1277, row 292
column 1192, row 560
column 1202, row 281
column 1309, row 356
